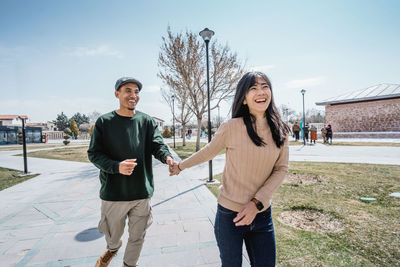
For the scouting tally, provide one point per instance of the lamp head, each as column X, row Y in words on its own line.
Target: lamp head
column 303, row 91
column 206, row 34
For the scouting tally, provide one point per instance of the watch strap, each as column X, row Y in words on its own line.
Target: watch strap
column 258, row 203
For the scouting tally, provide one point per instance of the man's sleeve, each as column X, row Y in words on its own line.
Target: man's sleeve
column 158, row 149
column 96, row 153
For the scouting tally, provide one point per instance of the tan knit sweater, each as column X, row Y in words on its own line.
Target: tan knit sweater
column 250, row 171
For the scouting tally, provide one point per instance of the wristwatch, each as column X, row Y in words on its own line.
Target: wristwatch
column 258, row 203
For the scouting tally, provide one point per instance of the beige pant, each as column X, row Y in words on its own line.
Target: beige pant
column 112, row 224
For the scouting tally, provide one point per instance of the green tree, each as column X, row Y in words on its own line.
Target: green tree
column 166, row 133
column 67, row 135
column 74, row 128
column 91, row 130
column 80, row 118
column 61, row 121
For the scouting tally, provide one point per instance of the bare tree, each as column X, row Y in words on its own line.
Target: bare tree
column 184, row 114
column 314, row 115
column 183, row 66
column 93, row 116
column 288, row 114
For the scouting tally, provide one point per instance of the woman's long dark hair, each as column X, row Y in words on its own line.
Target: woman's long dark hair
column 279, row 128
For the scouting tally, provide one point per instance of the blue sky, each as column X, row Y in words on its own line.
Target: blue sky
column 66, row 55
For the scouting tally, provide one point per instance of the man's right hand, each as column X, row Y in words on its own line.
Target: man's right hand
column 174, row 169
column 126, row 167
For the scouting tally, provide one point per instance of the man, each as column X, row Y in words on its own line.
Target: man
column 329, row 134
column 122, row 145
column 306, row 130
column 296, row 130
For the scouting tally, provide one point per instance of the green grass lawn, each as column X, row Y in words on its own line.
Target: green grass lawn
column 70, row 153
column 185, row 151
column 9, row 178
column 28, row 146
column 371, row 230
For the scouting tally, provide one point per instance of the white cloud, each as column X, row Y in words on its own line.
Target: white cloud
column 310, row 82
column 101, row 50
column 152, row 88
column 263, row 68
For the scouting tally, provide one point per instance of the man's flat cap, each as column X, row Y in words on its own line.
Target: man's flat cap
column 125, row 80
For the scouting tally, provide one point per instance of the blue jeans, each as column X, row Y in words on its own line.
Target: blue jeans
column 259, row 238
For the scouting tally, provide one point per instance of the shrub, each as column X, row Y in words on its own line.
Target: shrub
column 67, row 135
column 166, row 133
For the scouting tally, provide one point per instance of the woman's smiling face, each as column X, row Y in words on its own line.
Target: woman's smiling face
column 258, row 97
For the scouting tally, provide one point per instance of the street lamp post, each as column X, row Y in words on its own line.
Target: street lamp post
column 304, row 117
column 206, row 34
column 173, row 117
column 24, row 145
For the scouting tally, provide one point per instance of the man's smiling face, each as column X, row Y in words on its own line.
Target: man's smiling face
column 128, row 95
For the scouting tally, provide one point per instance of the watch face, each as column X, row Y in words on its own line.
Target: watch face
column 260, row 206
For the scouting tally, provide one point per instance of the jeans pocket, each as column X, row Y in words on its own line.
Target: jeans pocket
column 225, row 211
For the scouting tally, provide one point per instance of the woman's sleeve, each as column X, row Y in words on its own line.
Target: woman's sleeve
column 210, row 150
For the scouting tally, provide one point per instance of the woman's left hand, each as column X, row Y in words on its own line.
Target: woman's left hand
column 246, row 215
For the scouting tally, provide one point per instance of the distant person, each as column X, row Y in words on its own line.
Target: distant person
column 323, row 133
column 313, row 134
column 329, row 134
column 296, row 130
column 306, row 130
column 122, row 145
column 189, row 133
column 257, row 153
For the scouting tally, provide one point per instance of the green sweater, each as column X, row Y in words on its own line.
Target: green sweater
column 116, row 138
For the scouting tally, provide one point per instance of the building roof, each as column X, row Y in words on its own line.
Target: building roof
column 375, row 92
column 11, row 117
column 158, row 119
column 36, row 124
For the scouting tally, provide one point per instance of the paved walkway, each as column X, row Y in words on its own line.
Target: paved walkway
column 51, row 220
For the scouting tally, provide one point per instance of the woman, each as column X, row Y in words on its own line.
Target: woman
column 256, row 163
column 323, row 133
column 313, row 134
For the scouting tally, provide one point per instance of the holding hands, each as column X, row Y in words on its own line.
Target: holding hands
column 173, row 166
column 174, row 169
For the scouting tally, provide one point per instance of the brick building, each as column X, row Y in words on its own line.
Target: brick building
column 373, row 112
